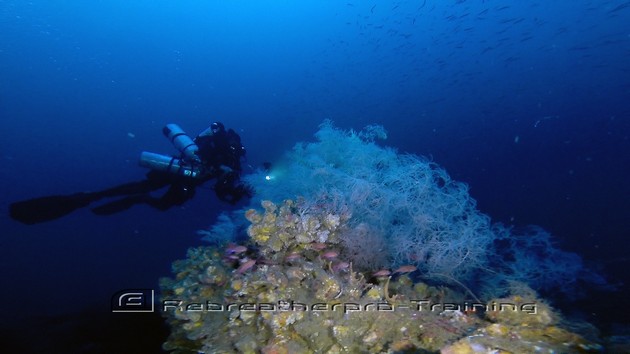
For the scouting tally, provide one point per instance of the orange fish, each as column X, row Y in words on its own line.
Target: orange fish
column 406, row 269
column 235, row 249
column 340, row 266
column 382, row 273
column 318, row 246
column 330, row 255
column 246, row 266
column 293, row 256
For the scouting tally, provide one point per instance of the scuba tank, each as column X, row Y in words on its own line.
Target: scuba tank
column 189, row 165
column 169, row 164
column 182, row 142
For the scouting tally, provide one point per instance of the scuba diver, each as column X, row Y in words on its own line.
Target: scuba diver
column 214, row 154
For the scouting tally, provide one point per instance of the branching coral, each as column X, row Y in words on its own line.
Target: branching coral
column 408, row 211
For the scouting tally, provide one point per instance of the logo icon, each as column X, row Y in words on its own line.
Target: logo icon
column 133, row 300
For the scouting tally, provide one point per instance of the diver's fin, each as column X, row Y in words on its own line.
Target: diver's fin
column 34, row 211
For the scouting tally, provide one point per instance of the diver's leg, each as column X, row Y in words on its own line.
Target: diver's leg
column 177, row 194
column 121, row 204
column 136, row 193
column 154, row 181
column 43, row 209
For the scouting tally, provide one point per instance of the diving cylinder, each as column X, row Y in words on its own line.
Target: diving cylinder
column 182, row 142
column 168, row 164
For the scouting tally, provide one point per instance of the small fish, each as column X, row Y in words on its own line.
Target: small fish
column 406, row 269
column 251, row 215
column 620, row 7
column 340, row 266
column 293, row 256
column 318, row 246
column 330, row 255
column 382, row 273
column 246, row 266
column 235, row 249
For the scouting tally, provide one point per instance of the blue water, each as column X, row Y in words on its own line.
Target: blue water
column 527, row 102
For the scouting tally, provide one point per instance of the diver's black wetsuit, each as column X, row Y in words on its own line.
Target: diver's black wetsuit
column 181, row 189
column 219, row 154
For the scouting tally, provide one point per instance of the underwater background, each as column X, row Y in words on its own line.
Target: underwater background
column 526, row 102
